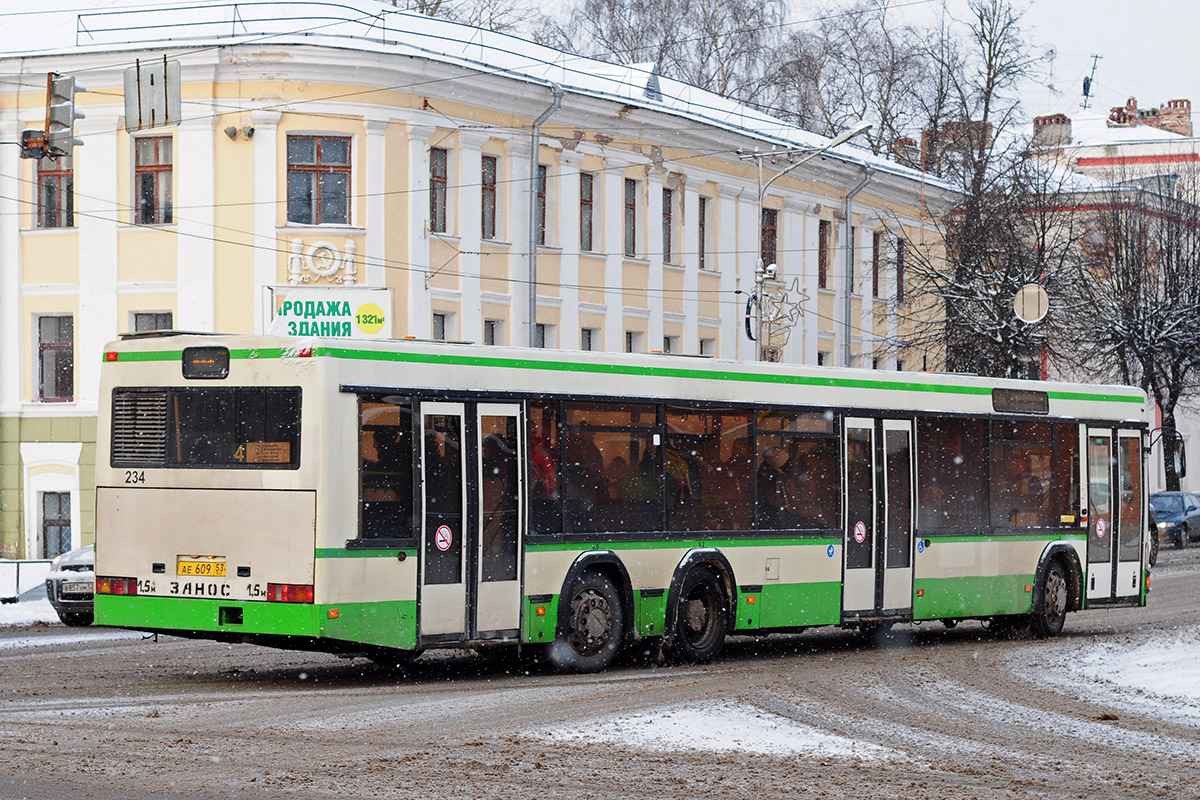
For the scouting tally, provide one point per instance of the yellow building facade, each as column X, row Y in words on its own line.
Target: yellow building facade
column 393, row 152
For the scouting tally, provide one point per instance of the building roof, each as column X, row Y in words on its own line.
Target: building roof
column 61, row 27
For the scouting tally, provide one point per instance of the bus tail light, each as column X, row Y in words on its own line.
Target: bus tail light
column 109, row 585
column 290, row 592
column 111, row 355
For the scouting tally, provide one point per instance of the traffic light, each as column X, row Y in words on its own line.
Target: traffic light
column 61, row 115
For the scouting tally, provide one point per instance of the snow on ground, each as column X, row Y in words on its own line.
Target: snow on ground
column 27, row 612
column 721, row 728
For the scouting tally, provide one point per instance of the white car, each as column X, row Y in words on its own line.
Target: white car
column 71, row 585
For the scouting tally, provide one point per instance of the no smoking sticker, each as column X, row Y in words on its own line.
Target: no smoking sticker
column 1101, row 528
column 443, row 538
column 860, row 532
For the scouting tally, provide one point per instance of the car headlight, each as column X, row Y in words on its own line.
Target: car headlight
column 57, row 560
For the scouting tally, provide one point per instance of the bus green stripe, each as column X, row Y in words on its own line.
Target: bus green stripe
column 624, row 369
column 679, row 544
column 1049, row 536
column 383, row 552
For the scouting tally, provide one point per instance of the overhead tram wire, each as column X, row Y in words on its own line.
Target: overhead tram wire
column 559, row 64
column 409, row 267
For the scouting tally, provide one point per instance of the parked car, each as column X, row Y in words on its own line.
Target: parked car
column 1178, row 517
column 71, row 584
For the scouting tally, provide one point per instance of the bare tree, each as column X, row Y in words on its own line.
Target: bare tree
column 512, row 16
column 725, row 46
column 1029, row 234
column 1136, row 316
column 855, row 63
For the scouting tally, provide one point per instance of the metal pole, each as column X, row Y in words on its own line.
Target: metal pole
column 760, row 268
column 850, row 264
column 535, row 145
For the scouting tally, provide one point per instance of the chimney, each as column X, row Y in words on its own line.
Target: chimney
column 1051, row 131
column 1176, row 116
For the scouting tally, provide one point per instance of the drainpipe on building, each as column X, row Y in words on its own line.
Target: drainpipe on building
column 535, row 144
column 870, row 172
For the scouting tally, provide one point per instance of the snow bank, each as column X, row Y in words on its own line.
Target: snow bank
column 27, row 612
column 721, row 728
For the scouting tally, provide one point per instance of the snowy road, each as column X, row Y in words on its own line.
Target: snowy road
column 1110, row 710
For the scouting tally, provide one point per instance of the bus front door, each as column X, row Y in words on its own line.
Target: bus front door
column 878, row 527
column 471, row 468
column 1116, row 510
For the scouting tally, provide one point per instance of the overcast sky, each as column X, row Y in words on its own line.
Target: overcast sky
column 1148, row 49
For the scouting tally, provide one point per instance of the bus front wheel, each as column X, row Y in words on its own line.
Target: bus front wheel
column 594, row 627
column 1051, row 610
column 702, row 617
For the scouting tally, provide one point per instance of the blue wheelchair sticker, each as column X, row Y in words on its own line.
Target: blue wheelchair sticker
column 920, row 545
column 830, row 551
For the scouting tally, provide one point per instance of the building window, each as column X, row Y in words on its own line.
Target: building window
column 708, row 347
column 318, row 180
column 851, row 257
column 824, row 359
column 587, row 183
column 539, row 205
column 488, row 209
column 56, row 523
column 437, row 189
column 702, row 215
column 670, row 344
column 633, row 342
column 588, row 338
column 631, row 190
column 668, row 226
column 152, row 179
column 56, row 359
column 439, row 326
column 899, row 365
column 824, row 231
column 874, row 363
column 56, row 193
column 543, row 335
column 493, row 331
column 152, row 321
column 876, row 260
column 901, row 265
column 769, row 235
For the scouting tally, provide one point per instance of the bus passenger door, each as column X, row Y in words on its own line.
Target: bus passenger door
column 878, row 534
column 1116, row 512
column 499, row 459
column 859, row 557
column 1101, row 521
column 897, row 517
column 443, row 602
column 1131, row 514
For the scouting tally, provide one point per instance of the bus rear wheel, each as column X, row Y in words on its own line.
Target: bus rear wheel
column 595, row 625
column 701, row 618
column 1051, row 609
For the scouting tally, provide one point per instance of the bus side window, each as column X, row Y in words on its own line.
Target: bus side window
column 385, row 470
column 952, row 463
column 545, row 499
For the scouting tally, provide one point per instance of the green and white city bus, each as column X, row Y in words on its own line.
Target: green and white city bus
column 386, row 497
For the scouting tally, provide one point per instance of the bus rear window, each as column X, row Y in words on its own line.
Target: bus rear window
column 226, row 427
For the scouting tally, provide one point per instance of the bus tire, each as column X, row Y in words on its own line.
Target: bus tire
column 594, row 627
column 702, row 617
column 1050, row 607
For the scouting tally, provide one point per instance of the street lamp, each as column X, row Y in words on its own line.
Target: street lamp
column 763, row 272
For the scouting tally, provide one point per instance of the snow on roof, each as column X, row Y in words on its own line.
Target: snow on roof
column 1092, row 130
column 91, row 26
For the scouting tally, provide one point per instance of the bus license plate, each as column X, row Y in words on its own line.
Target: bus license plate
column 203, row 567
